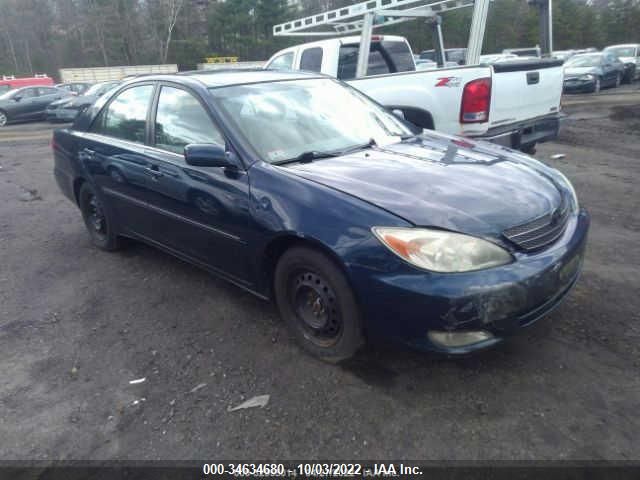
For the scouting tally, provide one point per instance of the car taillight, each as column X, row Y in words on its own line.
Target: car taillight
column 476, row 99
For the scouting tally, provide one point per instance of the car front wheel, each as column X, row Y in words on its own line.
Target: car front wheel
column 597, row 85
column 96, row 220
column 3, row 118
column 318, row 304
column 618, row 80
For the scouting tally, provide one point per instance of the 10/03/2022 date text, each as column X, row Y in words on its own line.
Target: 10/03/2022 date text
column 310, row 469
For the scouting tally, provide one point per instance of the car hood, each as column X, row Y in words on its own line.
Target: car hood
column 627, row 60
column 83, row 100
column 444, row 182
column 576, row 71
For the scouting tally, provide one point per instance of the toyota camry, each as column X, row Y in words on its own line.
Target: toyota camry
column 302, row 190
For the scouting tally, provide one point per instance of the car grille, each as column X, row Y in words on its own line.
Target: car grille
column 541, row 232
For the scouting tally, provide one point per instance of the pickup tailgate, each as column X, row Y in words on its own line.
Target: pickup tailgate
column 523, row 90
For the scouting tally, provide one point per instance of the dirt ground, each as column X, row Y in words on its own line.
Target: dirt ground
column 77, row 325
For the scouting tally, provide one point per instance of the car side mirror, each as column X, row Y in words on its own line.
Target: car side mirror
column 207, row 155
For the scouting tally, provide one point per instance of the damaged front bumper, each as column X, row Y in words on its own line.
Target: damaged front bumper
column 409, row 306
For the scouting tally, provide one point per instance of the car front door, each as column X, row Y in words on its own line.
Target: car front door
column 25, row 104
column 610, row 69
column 200, row 212
column 46, row 95
column 112, row 154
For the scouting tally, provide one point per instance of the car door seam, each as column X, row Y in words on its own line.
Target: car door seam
column 176, row 216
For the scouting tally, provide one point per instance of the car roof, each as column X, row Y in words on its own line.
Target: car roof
column 588, row 54
column 623, row 45
column 229, row 77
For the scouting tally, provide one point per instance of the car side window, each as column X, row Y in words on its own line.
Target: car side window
column 125, row 116
column 283, row 62
column 28, row 93
column 311, row 59
column 181, row 119
column 47, row 91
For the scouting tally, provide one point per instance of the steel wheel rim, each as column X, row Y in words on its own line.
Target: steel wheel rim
column 3, row 119
column 316, row 308
column 96, row 220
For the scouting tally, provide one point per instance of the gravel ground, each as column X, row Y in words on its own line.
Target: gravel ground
column 77, row 325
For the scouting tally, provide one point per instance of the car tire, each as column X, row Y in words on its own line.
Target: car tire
column 597, row 86
column 618, row 80
column 97, row 220
column 529, row 149
column 4, row 118
column 317, row 303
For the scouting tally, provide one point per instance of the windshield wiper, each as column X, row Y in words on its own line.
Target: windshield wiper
column 356, row 148
column 307, row 157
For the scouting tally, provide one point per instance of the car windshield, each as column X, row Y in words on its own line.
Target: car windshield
column 283, row 120
column 585, row 61
column 8, row 94
column 622, row 51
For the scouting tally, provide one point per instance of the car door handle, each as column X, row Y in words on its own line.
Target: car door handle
column 154, row 171
column 88, row 153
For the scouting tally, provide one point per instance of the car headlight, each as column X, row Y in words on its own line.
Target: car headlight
column 588, row 76
column 441, row 251
column 569, row 187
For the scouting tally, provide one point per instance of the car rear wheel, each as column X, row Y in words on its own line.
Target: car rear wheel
column 597, row 86
column 3, row 118
column 318, row 305
column 618, row 80
column 96, row 220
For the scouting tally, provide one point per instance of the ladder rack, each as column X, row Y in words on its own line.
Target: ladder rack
column 351, row 19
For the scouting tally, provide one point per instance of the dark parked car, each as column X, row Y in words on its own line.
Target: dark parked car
column 629, row 54
column 28, row 103
column 76, row 88
column 67, row 109
column 298, row 188
column 453, row 55
column 592, row 71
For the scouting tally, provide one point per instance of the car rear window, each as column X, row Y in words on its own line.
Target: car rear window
column 311, row 60
column 384, row 57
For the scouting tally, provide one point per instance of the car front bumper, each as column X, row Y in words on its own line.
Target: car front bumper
column 578, row 85
column 522, row 135
column 405, row 304
column 61, row 114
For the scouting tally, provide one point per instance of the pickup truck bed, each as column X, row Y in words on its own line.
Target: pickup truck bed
column 521, row 98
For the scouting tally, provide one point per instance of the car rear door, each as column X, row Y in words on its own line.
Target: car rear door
column 112, row 154
column 202, row 212
column 46, row 95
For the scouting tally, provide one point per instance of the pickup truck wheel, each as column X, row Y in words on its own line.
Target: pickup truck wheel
column 3, row 118
column 618, row 80
column 318, row 305
column 97, row 220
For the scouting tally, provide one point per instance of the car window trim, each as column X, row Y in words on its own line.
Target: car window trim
column 154, row 84
column 153, row 114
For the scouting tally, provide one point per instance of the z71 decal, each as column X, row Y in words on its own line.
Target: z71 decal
column 449, row 82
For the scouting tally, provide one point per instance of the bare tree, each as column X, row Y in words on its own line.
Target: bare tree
column 169, row 11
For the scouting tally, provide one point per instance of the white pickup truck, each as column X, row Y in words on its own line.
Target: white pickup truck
column 516, row 104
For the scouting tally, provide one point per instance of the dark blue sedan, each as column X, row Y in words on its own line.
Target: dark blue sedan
column 300, row 189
